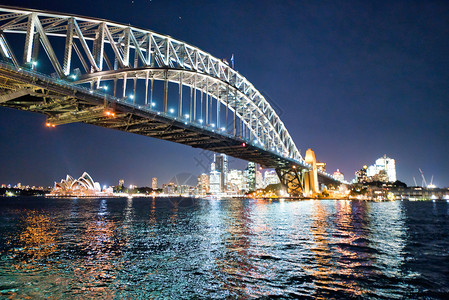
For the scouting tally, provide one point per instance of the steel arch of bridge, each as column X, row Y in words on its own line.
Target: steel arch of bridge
column 144, row 55
column 112, row 52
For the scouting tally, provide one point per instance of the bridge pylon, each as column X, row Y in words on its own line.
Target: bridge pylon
column 311, row 185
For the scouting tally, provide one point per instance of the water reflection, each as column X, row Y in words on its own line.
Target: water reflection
column 186, row 248
column 37, row 239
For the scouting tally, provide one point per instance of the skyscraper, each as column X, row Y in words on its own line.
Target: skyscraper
column 383, row 163
column 215, row 182
column 271, row 178
column 203, row 184
column 221, row 165
column 259, row 180
column 154, row 183
column 251, row 179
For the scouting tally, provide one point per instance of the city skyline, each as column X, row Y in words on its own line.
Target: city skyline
column 413, row 129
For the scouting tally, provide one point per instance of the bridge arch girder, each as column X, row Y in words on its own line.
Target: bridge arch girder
column 94, row 42
column 231, row 98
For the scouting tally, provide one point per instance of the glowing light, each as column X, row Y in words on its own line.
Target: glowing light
column 91, row 91
column 187, row 116
column 201, row 121
column 34, row 63
column 213, row 125
column 131, row 96
column 223, row 129
column 153, row 104
column 244, row 144
column 171, row 110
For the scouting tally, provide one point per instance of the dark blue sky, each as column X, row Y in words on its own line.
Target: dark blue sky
column 354, row 80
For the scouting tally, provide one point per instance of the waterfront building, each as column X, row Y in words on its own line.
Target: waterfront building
column 236, row 182
column 83, row 186
column 386, row 164
column 338, row 175
column 183, row 189
column 202, row 183
column 270, row 178
column 361, row 175
column 251, row 176
column 121, row 183
column 169, row 189
column 259, row 180
column 154, row 183
column 221, row 165
column 215, row 182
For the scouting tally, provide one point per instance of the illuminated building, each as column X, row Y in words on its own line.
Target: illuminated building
column 270, row 178
column 386, row 164
column 203, row 184
column 83, row 186
column 221, row 165
column 259, row 180
column 338, row 175
column 236, row 182
column 169, row 189
column 121, row 183
column 361, row 175
column 251, row 176
column 321, row 166
column 215, row 182
column 154, row 183
column 183, row 189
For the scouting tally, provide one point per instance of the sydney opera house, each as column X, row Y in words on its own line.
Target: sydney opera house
column 82, row 187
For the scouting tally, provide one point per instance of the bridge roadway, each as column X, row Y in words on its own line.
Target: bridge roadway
column 258, row 134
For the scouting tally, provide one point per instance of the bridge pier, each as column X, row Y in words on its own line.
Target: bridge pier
column 311, row 185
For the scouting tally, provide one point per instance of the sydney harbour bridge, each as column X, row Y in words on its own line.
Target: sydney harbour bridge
column 80, row 69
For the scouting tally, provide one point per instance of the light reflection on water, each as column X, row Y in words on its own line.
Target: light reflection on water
column 184, row 248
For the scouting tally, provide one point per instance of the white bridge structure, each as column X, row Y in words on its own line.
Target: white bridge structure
column 80, row 69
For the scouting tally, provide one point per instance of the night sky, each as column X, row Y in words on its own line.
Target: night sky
column 352, row 80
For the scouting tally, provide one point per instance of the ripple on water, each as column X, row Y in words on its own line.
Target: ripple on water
column 193, row 248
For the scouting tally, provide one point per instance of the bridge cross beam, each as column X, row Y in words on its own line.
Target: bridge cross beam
column 292, row 179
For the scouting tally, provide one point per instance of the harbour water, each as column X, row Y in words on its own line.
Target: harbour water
column 195, row 248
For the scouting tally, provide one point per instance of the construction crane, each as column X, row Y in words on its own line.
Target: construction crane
column 424, row 183
column 431, row 185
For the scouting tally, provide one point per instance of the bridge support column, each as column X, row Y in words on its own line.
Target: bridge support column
column 311, row 176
